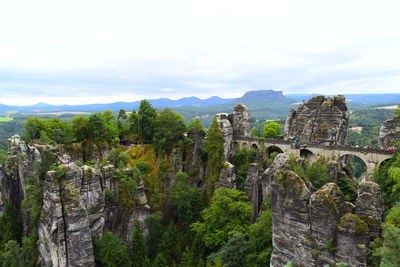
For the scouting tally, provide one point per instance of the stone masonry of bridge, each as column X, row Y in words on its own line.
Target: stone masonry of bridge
column 372, row 158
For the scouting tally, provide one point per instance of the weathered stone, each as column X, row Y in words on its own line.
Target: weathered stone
column 234, row 124
column 227, row 131
column 320, row 119
column 369, row 201
column 315, row 228
column 227, row 177
column 252, row 189
column 389, row 133
column 241, row 121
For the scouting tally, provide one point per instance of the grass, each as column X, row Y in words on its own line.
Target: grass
column 4, row 119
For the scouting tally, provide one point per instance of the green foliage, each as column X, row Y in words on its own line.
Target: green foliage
column 260, row 240
column 111, row 251
column 160, row 261
column 348, row 188
column 233, row 253
column 128, row 183
column 241, row 160
column 11, row 254
column 387, row 249
column 195, row 125
column 255, row 132
column 289, row 264
column 272, row 130
column 138, row 249
column 188, row 258
column 168, row 131
column 228, row 213
column 186, row 200
column 214, row 146
column 154, row 222
column 10, row 226
column 118, row 157
column 146, row 118
column 317, row 172
column 388, row 178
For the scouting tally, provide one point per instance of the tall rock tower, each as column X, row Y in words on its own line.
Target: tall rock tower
column 321, row 119
column 234, row 124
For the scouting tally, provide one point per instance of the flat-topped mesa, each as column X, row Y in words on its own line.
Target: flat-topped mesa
column 321, row 119
column 389, row 133
column 234, row 124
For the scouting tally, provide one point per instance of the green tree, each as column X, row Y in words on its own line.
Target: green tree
column 195, row 125
column 233, row 253
column 186, row 200
column 133, row 121
column 34, row 127
column 10, row 226
column 10, row 256
column 122, row 115
column 214, row 147
column 272, row 130
column 388, row 249
column 168, row 131
column 138, row 249
column 146, row 120
column 228, row 213
column 388, row 178
column 112, row 251
column 260, row 241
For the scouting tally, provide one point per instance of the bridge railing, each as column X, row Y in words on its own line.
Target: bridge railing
column 305, row 145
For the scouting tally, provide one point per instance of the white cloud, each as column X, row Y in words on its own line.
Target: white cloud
column 198, row 48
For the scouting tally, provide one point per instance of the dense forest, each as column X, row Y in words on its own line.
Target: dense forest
column 193, row 221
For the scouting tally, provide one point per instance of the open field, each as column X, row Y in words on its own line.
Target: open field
column 388, row 107
column 3, row 119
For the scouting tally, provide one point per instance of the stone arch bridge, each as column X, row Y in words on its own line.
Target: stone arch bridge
column 372, row 158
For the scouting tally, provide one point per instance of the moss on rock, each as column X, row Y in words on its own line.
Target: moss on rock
column 352, row 223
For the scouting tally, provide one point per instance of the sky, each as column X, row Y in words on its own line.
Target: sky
column 77, row 52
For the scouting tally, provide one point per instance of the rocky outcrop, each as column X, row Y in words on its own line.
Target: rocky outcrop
column 234, row 124
column 227, row 131
column 389, row 133
column 241, row 121
column 227, row 177
column 64, row 222
column 316, row 227
column 252, row 188
column 75, row 207
column 321, row 119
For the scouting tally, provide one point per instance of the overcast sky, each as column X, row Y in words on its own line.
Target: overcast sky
column 84, row 51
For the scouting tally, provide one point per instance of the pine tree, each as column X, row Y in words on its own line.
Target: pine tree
column 138, row 252
column 146, row 120
column 214, row 146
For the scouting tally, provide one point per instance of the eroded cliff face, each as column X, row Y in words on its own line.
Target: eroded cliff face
column 316, row 227
column 74, row 204
column 320, row 119
column 389, row 133
column 234, row 124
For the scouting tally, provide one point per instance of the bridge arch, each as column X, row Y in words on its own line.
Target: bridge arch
column 272, row 149
column 355, row 164
column 383, row 163
column 307, row 154
column 254, row 146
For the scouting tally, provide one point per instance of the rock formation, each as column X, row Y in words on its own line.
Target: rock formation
column 252, row 187
column 320, row 119
column 389, row 133
column 75, row 206
column 227, row 176
column 234, row 124
column 316, row 227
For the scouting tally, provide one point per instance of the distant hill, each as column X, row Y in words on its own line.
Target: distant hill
column 263, row 104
